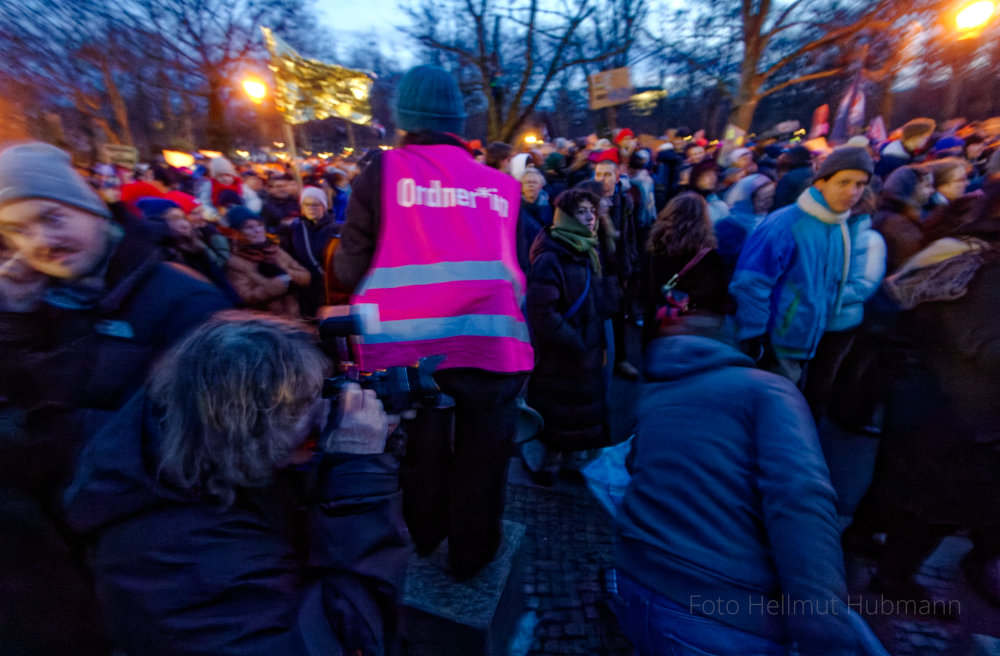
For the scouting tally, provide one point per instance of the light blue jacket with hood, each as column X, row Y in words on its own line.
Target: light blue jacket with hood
column 792, row 276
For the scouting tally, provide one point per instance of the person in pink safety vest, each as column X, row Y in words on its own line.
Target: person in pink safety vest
column 430, row 238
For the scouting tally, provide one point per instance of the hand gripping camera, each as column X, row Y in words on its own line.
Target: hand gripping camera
column 399, row 388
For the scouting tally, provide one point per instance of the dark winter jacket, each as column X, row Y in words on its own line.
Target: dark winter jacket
column 627, row 245
column 940, row 457
column 791, row 185
column 534, row 217
column 364, row 214
column 706, row 285
column 64, row 373
column 276, row 210
column 566, row 386
column 307, row 242
column 65, row 370
column 282, row 571
column 730, row 498
column 668, row 167
column 893, row 156
column 899, row 218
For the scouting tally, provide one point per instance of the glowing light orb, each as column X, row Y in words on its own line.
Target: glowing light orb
column 975, row 15
column 255, row 89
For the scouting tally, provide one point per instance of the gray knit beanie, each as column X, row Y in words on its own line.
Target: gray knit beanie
column 428, row 98
column 846, row 159
column 38, row 170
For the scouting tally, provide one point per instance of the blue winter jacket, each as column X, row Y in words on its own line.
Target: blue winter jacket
column 730, row 504
column 731, row 232
column 791, row 276
column 868, row 257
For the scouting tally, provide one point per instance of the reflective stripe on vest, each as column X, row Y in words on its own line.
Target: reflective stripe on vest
column 444, row 274
column 466, row 325
column 432, row 274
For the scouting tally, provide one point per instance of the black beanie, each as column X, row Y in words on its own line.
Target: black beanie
column 846, row 159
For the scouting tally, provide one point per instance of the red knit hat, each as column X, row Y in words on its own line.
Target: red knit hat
column 186, row 202
column 622, row 135
column 133, row 191
column 609, row 155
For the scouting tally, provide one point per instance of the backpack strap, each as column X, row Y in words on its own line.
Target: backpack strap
column 687, row 267
column 579, row 301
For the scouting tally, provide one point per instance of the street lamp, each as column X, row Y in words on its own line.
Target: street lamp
column 973, row 17
column 970, row 21
column 255, row 89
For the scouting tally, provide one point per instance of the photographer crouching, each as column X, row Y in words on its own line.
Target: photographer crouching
column 227, row 515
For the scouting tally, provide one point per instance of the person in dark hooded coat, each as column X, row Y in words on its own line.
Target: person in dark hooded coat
column 796, row 179
column 729, row 508
column 938, row 469
column 900, row 215
column 536, row 214
column 566, row 315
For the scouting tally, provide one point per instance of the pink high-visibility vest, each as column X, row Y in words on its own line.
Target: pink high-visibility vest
column 445, row 275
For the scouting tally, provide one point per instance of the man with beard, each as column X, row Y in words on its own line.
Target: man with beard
column 622, row 215
column 282, row 206
column 76, row 338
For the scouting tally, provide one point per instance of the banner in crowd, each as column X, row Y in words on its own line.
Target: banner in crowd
column 125, row 156
column 609, row 88
column 850, row 113
column 307, row 89
column 877, row 132
column 820, row 122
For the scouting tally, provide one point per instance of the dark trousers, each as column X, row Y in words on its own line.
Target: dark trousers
column 823, row 368
column 454, row 473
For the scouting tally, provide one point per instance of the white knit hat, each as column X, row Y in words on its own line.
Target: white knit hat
column 314, row 193
column 221, row 166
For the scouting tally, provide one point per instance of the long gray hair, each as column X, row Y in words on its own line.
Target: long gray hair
column 231, row 394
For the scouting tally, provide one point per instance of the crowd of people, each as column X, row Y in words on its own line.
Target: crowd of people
column 167, row 449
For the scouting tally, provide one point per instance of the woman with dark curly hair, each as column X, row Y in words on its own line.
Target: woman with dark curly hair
column 681, row 232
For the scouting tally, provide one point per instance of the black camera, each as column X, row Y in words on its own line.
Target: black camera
column 398, row 388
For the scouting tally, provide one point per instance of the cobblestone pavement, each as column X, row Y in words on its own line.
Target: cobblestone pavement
column 562, row 568
column 569, row 541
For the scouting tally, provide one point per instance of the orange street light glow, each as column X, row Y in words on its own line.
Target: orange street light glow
column 975, row 15
column 530, row 139
column 255, row 89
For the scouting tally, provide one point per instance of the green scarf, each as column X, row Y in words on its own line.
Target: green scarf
column 567, row 230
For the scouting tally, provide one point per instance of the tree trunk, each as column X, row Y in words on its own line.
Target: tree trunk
column 117, row 104
column 186, row 131
column 611, row 116
column 494, row 129
column 742, row 114
column 217, row 132
column 748, row 94
column 888, row 103
column 952, row 94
